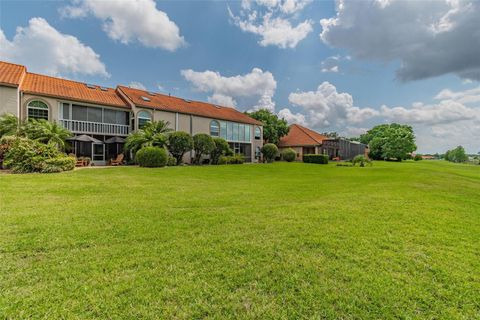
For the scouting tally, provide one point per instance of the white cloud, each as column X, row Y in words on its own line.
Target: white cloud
column 137, row 85
column 273, row 26
column 258, row 84
column 44, row 49
column 429, row 38
column 130, row 21
column 326, row 107
column 466, row 96
column 291, row 117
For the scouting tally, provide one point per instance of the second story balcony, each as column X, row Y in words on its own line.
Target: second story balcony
column 88, row 127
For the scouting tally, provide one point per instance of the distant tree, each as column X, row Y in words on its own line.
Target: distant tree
column 203, row 144
column 273, row 127
column 389, row 141
column 331, row 134
column 457, row 155
column 179, row 143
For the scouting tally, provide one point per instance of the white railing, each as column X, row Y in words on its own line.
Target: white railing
column 77, row 126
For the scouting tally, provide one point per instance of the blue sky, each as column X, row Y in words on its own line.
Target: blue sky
column 362, row 64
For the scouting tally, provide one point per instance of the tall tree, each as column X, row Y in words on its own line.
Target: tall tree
column 456, row 155
column 273, row 127
column 389, row 141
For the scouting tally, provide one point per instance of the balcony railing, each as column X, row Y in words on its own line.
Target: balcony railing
column 77, row 126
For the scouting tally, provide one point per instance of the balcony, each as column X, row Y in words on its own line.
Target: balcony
column 88, row 127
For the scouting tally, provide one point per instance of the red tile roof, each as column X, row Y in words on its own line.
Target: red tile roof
column 11, row 74
column 173, row 104
column 70, row 90
column 301, row 136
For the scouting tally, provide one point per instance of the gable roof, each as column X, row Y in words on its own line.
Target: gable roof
column 301, row 136
column 71, row 90
column 11, row 74
column 173, row 104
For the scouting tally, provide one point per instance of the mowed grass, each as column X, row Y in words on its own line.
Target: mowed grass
column 277, row 241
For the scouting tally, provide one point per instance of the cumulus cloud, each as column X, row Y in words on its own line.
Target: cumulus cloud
column 326, row 106
column 292, row 117
column 258, row 84
column 44, row 49
column 137, row 85
column 429, row 38
column 130, row 21
column 466, row 96
column 271, row 20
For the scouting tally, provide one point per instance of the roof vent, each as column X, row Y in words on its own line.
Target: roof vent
column 152, row 93
column 145, row 98
column 90, row 86
column 186, row 100
column 217, row 106
column 103, row 88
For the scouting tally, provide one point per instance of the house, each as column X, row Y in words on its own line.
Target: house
column 110, row 114
column 307, row 141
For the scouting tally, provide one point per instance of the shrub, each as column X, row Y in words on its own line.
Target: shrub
column 235, row 159
column 315, row 158
column 289, row 155
column 418, row 157
column 203, row 144
column 171, row 161
column 151, row 157
column 221, row 149
column 179, row 143
column 269, row 152
column 361, row 160
column 58, row 164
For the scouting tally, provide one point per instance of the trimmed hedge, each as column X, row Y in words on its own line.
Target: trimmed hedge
column 236, row 159
column 59, row 164
column 315, row 158
column 269, row 152
column 289, row 155
column 151, row 157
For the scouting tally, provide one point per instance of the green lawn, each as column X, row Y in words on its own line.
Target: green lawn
column 286, row 240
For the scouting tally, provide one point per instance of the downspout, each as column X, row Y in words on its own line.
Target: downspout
column 176, row 121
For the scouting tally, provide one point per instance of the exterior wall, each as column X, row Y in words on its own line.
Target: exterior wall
column 8, row 100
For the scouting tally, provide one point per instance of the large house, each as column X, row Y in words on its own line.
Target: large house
column 305, row 141
column 106, row 115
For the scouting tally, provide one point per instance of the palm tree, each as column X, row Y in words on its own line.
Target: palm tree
column 48, row 132
column 154, row 133
column 9, row 125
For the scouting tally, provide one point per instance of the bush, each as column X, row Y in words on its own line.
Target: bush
column 203, row 144
column 23, row 155
column 235, row 159
column 315, row 158
column 269, row 152
column 151, row 157
column 289, row 155
column 418, row 157
column 171, row 161
column 221, row 149
column 59, row 164
column 179, row 143
column 361, row 160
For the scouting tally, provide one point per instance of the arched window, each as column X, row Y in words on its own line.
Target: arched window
column 214, row 128
column 37, row 110
column 143, row 117
column 258, row 133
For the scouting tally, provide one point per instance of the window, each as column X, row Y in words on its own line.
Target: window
column 258, row 133
column 247, row 133
column 241, row 132
column 143, row 117
column 229, row 131
column 214, row 128
column 223, row 130
column 235, row 132
column 37, row 110
column 66, row 111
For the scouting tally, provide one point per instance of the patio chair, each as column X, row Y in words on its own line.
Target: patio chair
column 118, row 161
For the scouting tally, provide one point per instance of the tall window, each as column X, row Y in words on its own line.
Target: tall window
column 143, row 117
column 214, row 128
column 37, row 110
column 258, row 133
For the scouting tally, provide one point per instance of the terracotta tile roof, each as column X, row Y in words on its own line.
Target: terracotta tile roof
column 301, row 136
column 70, row 90
column 173, row 104
column 11, row 74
